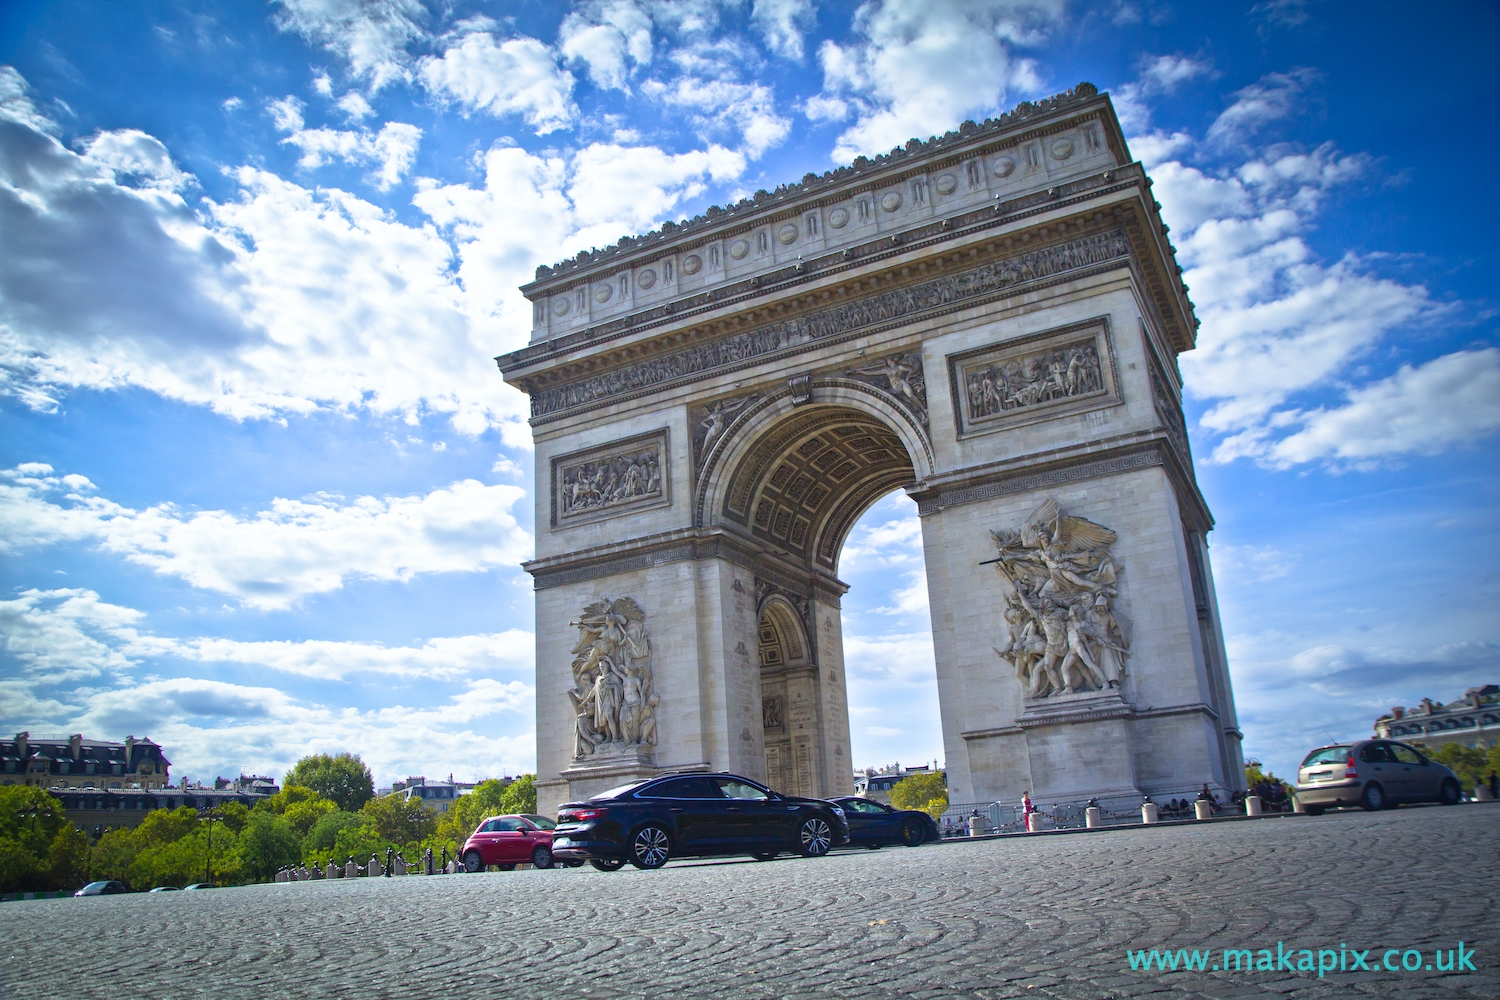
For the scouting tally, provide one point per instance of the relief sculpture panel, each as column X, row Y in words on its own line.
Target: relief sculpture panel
column 614, row 702
column 617, row 477
column 1034, row 378
column 1065, row 632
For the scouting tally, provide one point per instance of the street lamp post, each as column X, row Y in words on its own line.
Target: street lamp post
column 210, row 814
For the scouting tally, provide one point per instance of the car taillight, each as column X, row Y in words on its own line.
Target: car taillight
column 1349, row 769
column 580, row 815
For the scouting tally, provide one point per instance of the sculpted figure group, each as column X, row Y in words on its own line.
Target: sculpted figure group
column 1065, row 634
column 1020, row 382
column 613, row 701
column 610, row 481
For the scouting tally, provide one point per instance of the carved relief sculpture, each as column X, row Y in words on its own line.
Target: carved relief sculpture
column 901, row 375
column 1059, row 373
column 802, row 331
column 712, row 421
column 614, row 703
column 1065, row 633
column 609, row 479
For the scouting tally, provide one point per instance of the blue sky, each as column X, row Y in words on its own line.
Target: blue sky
column 265, row 494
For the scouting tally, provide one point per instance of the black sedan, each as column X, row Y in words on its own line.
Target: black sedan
column 872, row 824
column 685, row 815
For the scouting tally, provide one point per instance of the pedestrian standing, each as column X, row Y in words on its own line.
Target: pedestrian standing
column 1027, row 809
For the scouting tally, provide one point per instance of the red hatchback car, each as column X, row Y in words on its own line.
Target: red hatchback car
column 508, row 841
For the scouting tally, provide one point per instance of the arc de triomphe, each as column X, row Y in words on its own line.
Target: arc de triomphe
column 988, row 320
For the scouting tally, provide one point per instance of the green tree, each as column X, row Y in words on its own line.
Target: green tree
column 321, row 838
column 165, row 826
column 30, row 816
column 303, row 816
column 289, row 796
column 234, row 815
column 68, row 859
column 520, row 795
column 402, row 822
column 359, row 842
column 342, row 778
column 267, row 843
column 114, row 853
column 918, row 791
column 19, row 868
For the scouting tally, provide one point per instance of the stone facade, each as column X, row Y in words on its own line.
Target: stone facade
column 990, row 321
column 1472, row 721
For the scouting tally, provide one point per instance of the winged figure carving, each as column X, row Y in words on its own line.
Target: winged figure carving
column 1066, row 634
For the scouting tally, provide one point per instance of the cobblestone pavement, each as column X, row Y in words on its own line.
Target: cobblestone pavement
column 1048, row 916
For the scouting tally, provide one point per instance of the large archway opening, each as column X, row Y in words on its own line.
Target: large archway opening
column 847, row 680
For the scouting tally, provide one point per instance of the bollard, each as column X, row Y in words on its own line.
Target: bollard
column 1203, row 809
column 390, row 857
column 977, row 826
column 1093, row 817
column 1252, row 805
column 1149, row 813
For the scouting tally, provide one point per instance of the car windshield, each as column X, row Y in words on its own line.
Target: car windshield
column 615, row 793
column 1327, row 755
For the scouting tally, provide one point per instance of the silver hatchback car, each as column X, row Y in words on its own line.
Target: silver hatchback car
column 1375, row 774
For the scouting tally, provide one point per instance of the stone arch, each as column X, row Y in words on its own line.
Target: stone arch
column 797, row 473
column 783, row 640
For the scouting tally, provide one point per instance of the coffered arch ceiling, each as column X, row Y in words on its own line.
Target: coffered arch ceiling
column 806, row 481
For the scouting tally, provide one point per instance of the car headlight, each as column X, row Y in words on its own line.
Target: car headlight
column 838, row 811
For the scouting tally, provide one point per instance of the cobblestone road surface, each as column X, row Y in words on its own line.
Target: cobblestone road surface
column 1028, row 917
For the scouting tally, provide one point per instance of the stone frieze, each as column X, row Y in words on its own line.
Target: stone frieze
column 909, row 302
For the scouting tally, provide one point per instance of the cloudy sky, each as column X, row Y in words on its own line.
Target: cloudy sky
column 264, row 492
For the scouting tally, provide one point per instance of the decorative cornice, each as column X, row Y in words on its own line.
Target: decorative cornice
column 896, row 306
column 812, row 183
column 1053, row 475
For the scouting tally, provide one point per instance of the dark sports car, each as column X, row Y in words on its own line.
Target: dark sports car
column 681, row 815
column 872, row 823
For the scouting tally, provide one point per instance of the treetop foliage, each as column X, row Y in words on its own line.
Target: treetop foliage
column 918, row 791
column 342, row 778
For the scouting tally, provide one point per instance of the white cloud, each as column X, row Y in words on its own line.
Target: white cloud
column 782, row 25
column 393, row 148
column 516, row 76
column 62, row 636
column 291, row 550
column 370, row 35
column 65, row 635
column 1273, row 97
column 1451, row 400
column 899, row 658
column 748, row 109
column 286, row 300
column 919, row 68
column 609, row 39
column 883, row 731
column 1155, row 76
column 355, row 106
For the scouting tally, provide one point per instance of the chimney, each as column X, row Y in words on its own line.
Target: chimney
column 1397, row 712
column 129, row 751
column 75, row 745
column 23, row 749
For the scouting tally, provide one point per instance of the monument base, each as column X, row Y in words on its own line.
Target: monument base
column 609, row 767
column 1079, row 747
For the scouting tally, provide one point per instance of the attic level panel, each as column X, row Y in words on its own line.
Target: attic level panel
column 906, row 194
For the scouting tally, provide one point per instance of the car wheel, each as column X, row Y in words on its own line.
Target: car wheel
column 542, row 856
column 607, row 864
column 575, row 863
column 815, row 837
column 765, row 855
column 913, row 833
column 473, row 862
column 1449, row 794
column 1313, row 810
column 650, row 847
column 1373, row 798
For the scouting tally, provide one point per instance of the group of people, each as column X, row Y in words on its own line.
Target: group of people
column 1069, row 371
column 599, row 484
